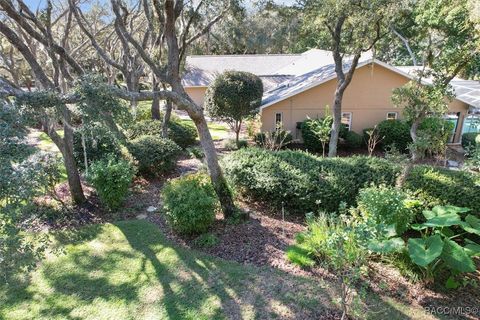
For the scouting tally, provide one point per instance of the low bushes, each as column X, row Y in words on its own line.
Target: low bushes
column 470, row 139
column 314, row 129
column 111, row 178
column 190, row 203
column 387, row 205
column 395, row 132
column 353, row 140
column 183, row 134
column 304, row 182
column 442, row 186
column 154, row 155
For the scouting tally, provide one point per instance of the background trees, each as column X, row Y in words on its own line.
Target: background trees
column 233, row 96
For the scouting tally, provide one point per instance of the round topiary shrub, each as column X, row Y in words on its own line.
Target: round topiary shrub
column 190, row 203
column 154, row 155
column 395, row 132
column 111, row 178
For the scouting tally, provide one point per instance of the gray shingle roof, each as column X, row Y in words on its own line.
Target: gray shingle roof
column 306, row 81
column 201, row 70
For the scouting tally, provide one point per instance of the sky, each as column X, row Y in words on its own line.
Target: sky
column 34, row 4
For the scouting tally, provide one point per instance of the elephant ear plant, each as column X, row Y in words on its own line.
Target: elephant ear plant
column 442, row 245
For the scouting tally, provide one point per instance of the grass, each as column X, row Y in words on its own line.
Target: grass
column 217, row 130
column 128, row 270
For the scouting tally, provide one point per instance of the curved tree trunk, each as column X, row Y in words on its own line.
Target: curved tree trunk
column 216, row 175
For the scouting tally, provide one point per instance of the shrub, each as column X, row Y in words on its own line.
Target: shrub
column 438, row 186
column 231, row 144
column 310, row 129
column 395, row 132
column 154, row 154
column 470, row 139
column 183, row 134
column 353, row 140
column 387, row 205
column 437, row 132
column 99, row 143
column 304, row 182
column 273, row 140
column 196, row 152
column 111, row 178
column 190, row 203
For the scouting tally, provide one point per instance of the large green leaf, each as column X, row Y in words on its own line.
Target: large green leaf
column 456, row 257
column 446, row 220
column 472, row 224
column 425, row 251
column 386, row 246
column 439, row 211
column 472, row 248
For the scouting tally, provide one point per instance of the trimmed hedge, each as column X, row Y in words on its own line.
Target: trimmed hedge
column 304, row 182
column 470, row 139
column 442, row 186
column 353, row 140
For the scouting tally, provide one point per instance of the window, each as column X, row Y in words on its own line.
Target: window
column 347, row 120
column 278, row 119
column 392, row 115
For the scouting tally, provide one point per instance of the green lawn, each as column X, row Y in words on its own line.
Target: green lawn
column 128, row 270
column 217, row 130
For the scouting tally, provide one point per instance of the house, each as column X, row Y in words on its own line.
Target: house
column 297, row 86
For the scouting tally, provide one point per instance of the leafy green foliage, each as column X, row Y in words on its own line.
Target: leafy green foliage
column 330, row 241
column 435, row 132
column 111, row 178
column 153, row 154
column 207, row 240
column 183, row 134
column 353, row 140
column 316, row 133
column 304, row 182
column 470, row 139
column 437, row 186
column 233, row 96
column 99, row 144
column 387, row 205
column 190, row 203
column 395, row 132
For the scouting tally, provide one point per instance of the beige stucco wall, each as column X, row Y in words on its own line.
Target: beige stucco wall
column 197, row 94
column 368, row 98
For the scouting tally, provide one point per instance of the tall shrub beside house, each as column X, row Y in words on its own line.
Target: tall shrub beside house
column 234, row 96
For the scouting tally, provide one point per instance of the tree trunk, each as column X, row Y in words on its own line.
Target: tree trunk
column 413, row 135
column 409, row 166
column 218, row 180
column 238, row 127
column 166, row 118
column 73, row 176
column 155, row 102
column 337, row 120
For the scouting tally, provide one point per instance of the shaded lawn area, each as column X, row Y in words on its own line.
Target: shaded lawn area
column 128, row 270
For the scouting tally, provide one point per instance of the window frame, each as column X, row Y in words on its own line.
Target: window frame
column 396, row 115
column 349, row 119
column 275, row 122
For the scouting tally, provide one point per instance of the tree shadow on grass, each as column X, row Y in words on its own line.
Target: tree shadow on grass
column 102, row 277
